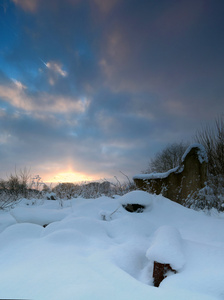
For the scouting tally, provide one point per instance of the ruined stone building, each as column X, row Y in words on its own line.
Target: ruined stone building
column 178, row 183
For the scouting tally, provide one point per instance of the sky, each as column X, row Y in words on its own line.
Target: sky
column 93, row 88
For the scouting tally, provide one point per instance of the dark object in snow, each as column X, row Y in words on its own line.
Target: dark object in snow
column 45, row 225
column 51, row 197
column 134, row 208
column 178, row 183
column 160, row 272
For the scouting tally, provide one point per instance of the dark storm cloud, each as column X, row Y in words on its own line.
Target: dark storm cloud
column 176, row 47
column 105, row 84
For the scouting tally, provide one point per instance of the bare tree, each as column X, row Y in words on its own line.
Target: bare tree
column 212, row 138
column 169, row 158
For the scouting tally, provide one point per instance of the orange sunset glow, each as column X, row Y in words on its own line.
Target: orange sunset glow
column 69, row 176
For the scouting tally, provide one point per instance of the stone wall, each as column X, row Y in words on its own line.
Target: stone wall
column 178, row 183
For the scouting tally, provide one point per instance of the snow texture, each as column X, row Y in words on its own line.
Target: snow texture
column 81, row 256
column 166, row 248
column 136, row 197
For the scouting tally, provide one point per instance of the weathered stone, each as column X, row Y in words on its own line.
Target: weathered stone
column 160, row 272
column 178, row 183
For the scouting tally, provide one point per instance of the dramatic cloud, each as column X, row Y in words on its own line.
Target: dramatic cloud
column 95, row 87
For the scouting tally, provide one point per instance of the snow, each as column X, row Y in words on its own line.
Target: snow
column 136, row 197
column 156, row 175
column 167, row 248
column 202, row 155
column 80, row 255
column 37, row 215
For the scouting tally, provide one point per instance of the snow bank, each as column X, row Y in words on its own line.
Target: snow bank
column 83, row 257
column 166, row 248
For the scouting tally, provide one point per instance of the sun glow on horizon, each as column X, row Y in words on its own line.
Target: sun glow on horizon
column 70, row 177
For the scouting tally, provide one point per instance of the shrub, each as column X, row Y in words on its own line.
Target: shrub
column 211, row 196
column 66, row 190
column 17, row 186
column 94, row 189
column 212, row 138
column 13, row 189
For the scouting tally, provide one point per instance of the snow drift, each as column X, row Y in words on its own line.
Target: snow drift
column 81, row 256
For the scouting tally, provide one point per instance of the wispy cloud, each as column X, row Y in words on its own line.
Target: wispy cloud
column 19, row 84
column 16, row 95
column 56, row 68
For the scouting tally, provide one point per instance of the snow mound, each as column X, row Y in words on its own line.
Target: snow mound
column 37, row 215
column 137, row 197
column 20, row 231
column 167, row 247
column 84, row 257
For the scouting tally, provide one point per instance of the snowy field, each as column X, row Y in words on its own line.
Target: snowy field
column 95, row 249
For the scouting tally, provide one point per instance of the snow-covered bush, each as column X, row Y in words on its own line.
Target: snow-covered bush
column 211, row 196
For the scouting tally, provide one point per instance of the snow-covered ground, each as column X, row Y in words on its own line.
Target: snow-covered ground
column 95, row 249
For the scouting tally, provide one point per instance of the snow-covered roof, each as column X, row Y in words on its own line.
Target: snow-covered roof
column 156, row 175
column 202, row 155
column 153, row 175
